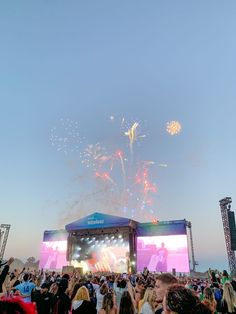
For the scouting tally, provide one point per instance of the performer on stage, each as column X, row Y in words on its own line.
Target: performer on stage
column 162, row 254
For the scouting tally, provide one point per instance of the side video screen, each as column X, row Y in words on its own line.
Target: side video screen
column 163, row 253
column 53, row 255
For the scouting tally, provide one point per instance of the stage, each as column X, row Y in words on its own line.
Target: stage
column 106, row 243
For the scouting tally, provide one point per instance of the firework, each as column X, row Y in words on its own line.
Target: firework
column 94, row 156
column 104, row 176
column 119, row 154
column 109, row 169
column 133, row 135
column 65, row 137
column 173, row 127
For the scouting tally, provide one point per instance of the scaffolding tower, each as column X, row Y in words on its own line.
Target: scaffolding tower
column 4, row 232
column 225, row 206
column 194, row 262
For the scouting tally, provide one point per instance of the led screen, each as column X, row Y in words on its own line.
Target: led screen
column 163, row 253
column 53, row 255
column 102, row 253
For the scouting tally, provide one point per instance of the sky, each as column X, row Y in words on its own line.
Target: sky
column 95, row 65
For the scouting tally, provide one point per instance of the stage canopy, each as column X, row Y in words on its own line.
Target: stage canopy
column 99, row 220
column 162, row 228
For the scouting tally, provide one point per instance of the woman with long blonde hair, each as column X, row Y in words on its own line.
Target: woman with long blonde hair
column 228, row 300
column 148, row 305
column 81, row 303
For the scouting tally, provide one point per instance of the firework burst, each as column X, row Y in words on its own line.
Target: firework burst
column 65, row 137
column 173, row 127
column 94, row 156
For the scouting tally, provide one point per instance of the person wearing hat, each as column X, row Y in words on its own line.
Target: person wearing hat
column 43, row 299
column 61, row 303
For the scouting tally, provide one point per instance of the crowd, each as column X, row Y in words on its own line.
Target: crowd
column 45, row 292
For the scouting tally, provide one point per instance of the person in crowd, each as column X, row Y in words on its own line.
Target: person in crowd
column 181, row 300
column 126, row 304
column 16, row 306
column 81, row 303
column 91, row 290
column 4, row 272
column 139, row 291
column 209, row 299
column 214, row 280
column 229, row 299
column 145, row 273
column 25, row 288
column 225, row 277
column 75, row 289
column 43, row 299
column 100, row 295
column 109, row 304
column 61, row 302
column 120, row 285
column 163, row 282
column 14, row 278
column 148, row 305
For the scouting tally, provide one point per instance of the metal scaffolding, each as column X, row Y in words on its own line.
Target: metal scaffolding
column 194, row 262
column 4, row 232
column 225, row 206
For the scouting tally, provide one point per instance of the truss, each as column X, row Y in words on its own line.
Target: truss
column 4, row 232
column 225, row 206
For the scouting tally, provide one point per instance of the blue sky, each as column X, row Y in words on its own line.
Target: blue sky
column 147, row 61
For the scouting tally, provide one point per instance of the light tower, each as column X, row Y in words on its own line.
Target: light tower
column 225, row 206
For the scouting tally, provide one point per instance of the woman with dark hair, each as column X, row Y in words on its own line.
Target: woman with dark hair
column 61, row 303
column 181, row 300
column 100, row 295
column 126, row 304
column 225, row 277
column 109, row 304
column 214, row 280
column 209, row 299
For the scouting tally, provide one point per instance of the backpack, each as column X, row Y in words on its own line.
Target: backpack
column 92, row 294
column 217, row 294
column 90, row 288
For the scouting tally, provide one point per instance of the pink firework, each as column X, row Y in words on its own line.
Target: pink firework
column 104, row 176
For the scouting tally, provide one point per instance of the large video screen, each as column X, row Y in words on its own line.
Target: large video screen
column 53, row 255
column 102, row 253
column 163, row 253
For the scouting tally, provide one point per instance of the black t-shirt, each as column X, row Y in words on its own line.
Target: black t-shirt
column 85, row 308
column 61, row 303
column 159, row 311
column 43, row 301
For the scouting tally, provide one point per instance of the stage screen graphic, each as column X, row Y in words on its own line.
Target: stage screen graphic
column 102, row 253
column 53, row 255
column 163, row 253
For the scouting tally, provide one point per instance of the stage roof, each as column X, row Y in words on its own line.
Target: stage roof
column 162, row 228
column 98, row 220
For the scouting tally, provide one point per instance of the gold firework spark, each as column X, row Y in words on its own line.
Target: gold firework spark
column 173, row 127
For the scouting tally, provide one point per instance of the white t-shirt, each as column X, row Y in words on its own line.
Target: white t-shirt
column 99, row 300
column 146, row 309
